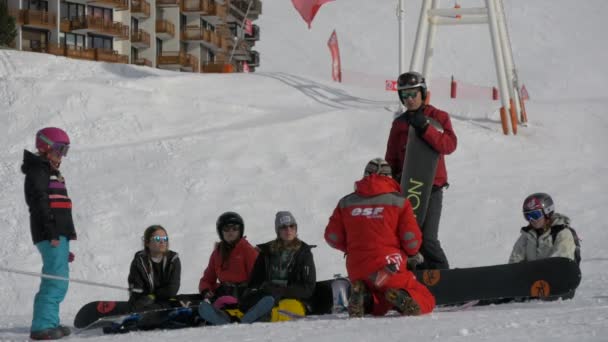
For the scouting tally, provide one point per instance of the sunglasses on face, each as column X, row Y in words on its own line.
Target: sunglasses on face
column 534, row 215
column 291, row 226
column 159, row 239
column 405, row 94
column 231, row 228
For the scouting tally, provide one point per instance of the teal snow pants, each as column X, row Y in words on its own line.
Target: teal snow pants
column 51, row 292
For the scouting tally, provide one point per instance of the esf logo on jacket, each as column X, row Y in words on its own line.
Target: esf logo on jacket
column 372, row 213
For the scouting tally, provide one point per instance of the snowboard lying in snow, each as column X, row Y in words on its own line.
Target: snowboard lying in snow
column 118, row 315
column 546, row 279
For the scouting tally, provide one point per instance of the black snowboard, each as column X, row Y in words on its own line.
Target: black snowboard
column 545, row 279
column 419, row 167
column 93, row 314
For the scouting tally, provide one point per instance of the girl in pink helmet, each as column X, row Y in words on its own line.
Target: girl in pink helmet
column 51, row 226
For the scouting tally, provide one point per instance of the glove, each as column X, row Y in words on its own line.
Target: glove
column 71, row 257
column 418, row 120
column 414, row 260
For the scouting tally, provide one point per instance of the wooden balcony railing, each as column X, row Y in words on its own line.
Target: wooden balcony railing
column 140, row 8
column 142, row 61
column 119, row 5
column 167, row 3
column 56, row 49
column 79, row 52
column 196, row 6
column 110, row 56
column 112, row 28
column 165, row 27
column 181, row 58
column 15, row 13
column 193, row 33
column 171, row 57
column 37, row 18
column 140, row 38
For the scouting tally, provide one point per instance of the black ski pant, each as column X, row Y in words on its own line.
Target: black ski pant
column 434, row 256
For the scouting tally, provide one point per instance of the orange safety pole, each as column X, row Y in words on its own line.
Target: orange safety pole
column 453, row 88
column 503, row 120
column 494, row 93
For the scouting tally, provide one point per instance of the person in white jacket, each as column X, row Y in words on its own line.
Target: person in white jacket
column 547, row 234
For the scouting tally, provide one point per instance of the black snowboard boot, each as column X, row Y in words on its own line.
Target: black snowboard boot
column 47, row 334
column 402, row 302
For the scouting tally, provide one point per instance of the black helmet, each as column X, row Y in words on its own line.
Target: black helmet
column 538, row 201
column 226, row 218
column 409, row 80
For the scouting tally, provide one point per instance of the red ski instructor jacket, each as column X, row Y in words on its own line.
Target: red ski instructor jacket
column 374, row 226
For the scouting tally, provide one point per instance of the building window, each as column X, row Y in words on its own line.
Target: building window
column 72, row 39
column 38, row 5
column 159, row 47
column 100, row 42
column 106, row 14
column 34, row 39
column 72, row 11
column 134, row 25
column 210, row 57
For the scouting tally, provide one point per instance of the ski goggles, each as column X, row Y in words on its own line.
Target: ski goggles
column 60, row 148
column 409, row 93
column 159, row 239
column 534, row 215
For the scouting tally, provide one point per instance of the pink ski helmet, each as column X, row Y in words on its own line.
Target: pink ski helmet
column 53, row 138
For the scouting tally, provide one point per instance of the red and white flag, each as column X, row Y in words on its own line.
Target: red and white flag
column 308, row 8
column 249, row 27
column 390, row 85
column 524, row 93
column 334, row 49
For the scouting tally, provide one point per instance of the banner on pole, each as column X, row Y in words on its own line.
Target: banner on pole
column 248, row 27
column 390, row 85
column 524, row 93
column 336, row 68
column 308, row 8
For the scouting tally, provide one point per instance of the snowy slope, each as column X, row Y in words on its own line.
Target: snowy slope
column 152, row 146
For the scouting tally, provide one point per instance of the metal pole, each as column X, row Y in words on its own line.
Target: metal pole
column 236, row 38
column 402, row 49
column 49, row 276
column 508, row 55
column 500, row 67
column 428, row 54
column 421, row 32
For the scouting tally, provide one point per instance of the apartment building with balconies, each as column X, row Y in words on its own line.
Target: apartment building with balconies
column 180, row 35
